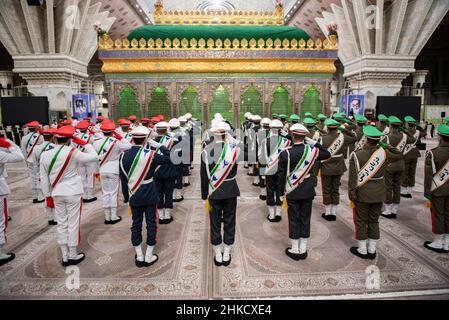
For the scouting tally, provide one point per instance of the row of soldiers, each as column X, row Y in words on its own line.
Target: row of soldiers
column 286, row 158
column 63, row 163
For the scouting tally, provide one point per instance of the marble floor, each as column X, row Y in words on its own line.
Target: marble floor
column 259, row 268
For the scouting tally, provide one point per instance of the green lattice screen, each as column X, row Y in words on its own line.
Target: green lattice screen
column 282, row 104
column 251, row 103
column 221, row 104
column 311, row 103
column 190, row 103
column 128, row 104
column 159, row 104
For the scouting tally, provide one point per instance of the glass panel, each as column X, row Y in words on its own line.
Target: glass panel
column 190, row 103
column 282, row 104
column 128, row 104
column 251, row 102
column 159, row 104
column 221, row 104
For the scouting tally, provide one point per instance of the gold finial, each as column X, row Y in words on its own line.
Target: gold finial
column 158, row 8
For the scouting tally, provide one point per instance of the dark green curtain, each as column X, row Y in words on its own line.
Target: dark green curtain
column 282, row 104
column 159, row 104
column 251, row 103
column 128, row 104
column 190, row 103
column 221, row 104
column 311, row 102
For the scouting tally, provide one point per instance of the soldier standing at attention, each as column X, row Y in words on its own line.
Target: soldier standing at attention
column 314, row 134
column 436, row 190
column 382, row 125
column 137, row 166
column 9, row 153
column 179, row 137
column 366, row 189
column 296, row 183
column 359, row 132
column 393, row 177
column 218, row 186
column 262, row 135
column 244, row 131
column 335, row 141
column 321, row 119
column 253, row 148
column 411, row 156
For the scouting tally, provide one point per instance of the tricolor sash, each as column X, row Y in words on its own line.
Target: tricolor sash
column 220, row 172
column 86, row 137
column 371, row 167
column 360, row 144
column 409, row 147
column 31, row 144
column 106, row 149
column 59, row 164
column 336, row 145
column 302, row 169
column 47, row 147
column 166, row 141
column 282, row 144
column 441, row 177
column 139, row 169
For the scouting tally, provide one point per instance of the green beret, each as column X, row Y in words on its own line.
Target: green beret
column 410, row 119
column 282, row 116
column 331, row 123
column 372, row 133
column 443, row 130
column 322, row 116
column 309, row 114
column 309, row 121
column 294, row 117
column 394, row 120
column 382, row 117
column 360, row 118
column 446, row 119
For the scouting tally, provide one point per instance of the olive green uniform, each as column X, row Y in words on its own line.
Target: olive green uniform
column 334, row 168
column 411, row 162
column 316, row 167
column 439, row 197
column 368, row 199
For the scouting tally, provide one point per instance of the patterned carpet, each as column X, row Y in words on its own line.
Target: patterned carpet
column 185, row 269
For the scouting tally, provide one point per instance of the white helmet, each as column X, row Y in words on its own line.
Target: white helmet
column 276, row 124
column 162, row 125
column 188, row 116
column 140, row 132
column 220, row 128
column 174, row 123
column 182, row 119
column 256, row 118
column 265, row 122
column 248, row 115
column 299, row 129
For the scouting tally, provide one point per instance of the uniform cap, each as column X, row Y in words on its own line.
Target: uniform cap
column 220, row 128
column 107, row 126
column 49, row 132
column 101, row 118
column 339, row 116
column 174, row 123
column 189, row 116
column 308, row 114
column 155, row 119
column 65, row 132
column 283, row 116
column 82, row 125
column 331, row 123
column 140, row 132
column 275, row 115
column 360, row 118
column 248, row 115
column 443, row 130
column 372, row 133
column 410, row 119
column 161, row 117
column 394, row 120
column 67, row 123
column 125, row 123
column 294, row 117
column 162, row 125
column 132, row 118
column 299, row 129
column 266, row 121
column 322, row 116
column 182, row 119
column 33, row 124
column 218, row 116
column 256, row 118
column 277, row 124
column 382, row 117
column 309, row 121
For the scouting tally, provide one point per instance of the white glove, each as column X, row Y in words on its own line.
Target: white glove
column 282, row 199
column 154, row 144
column 310, row 141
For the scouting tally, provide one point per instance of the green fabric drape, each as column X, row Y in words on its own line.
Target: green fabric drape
column 251, row 103
column 190, row 103
column 221, row 104
column 128, row 104
column 311, row 103
column 282, row 104
column 159, row 104
column 218, row 32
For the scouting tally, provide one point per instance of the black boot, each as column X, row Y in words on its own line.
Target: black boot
column 355, row 251
column 11, row 257
column 329, row 217
column 295, row 256
column 74, row 262
column 115, row 221
column 426, row 245
column 90, row 200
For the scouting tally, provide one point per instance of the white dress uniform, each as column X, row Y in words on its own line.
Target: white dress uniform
column 87, row 171
column 28, row 145
column 109, row 174
column 11, row 155
column 67, row 195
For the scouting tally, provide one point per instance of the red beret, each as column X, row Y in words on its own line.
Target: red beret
column 107, row 126
column 125, row 123
column 33, row 124
column 155, row 119
column 161, row 117
column 145, row 120
column 66, row 131
column 49, row 132
column 82, row 125
column 132, row 117
column 100, row 118
column 67, row 122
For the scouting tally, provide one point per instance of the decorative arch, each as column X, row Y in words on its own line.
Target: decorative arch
column 190, row 103
column 282, row 103
column 251, row 102
column 311, row 102
column 221, row 103
column 127, row 104
column 159, row 103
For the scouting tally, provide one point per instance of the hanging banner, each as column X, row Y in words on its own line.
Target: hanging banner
column 353, row 105
column 84, row 105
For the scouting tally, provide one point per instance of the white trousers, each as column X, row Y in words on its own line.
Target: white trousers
column 87, row 174
column 3, row 219
column 110, row 185
column 35, row 184
column 68, row 215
